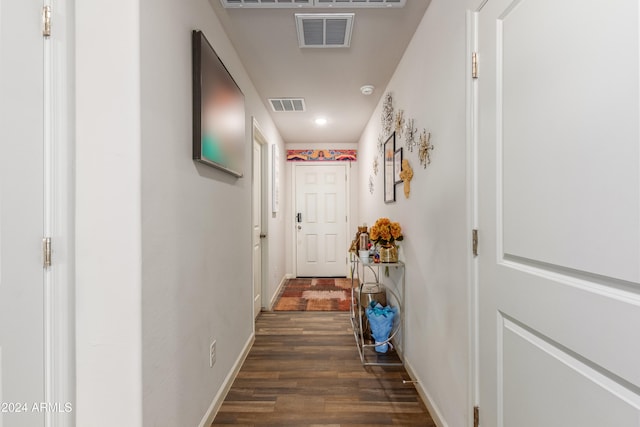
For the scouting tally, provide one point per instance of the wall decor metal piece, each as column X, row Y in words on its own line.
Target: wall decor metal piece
column 380, row 144
column 399, row 123
column 387, row 115
column 376, row 165
column 425, row 147
column 410, row 133
column 321, row 155
column 371, row 186
column 389, row 178
column 406, row 175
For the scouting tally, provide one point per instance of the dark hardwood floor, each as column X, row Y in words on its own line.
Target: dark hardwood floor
column 304, row 370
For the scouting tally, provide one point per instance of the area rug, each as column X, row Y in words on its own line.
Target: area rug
column 314, row 295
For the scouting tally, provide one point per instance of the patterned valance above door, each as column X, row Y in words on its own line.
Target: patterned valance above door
column 321, row 155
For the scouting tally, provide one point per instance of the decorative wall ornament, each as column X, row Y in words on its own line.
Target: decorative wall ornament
column 387, row 115
column 399, row 123
column 371, row 184
column 376, row 165
column 321, row 155
column 380, row 144
column 425, row 147
column 410, row 133
column 406, row 175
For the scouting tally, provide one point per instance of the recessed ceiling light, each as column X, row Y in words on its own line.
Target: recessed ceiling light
column 367, row 89
column 321, row 121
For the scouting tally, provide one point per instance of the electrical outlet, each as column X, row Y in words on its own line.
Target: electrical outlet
column 212, row 354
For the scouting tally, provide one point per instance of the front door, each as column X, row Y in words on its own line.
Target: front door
column 559, row 213
column 21, row 213
column 321, row 220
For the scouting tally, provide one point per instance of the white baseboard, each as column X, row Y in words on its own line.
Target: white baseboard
column 428, row 401
column 226, row 385
column 274, row 297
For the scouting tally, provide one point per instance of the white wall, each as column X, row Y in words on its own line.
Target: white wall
column 163, row 244
column 196, row 224
column 429, row 85
column 289, row 200
column 108, row 229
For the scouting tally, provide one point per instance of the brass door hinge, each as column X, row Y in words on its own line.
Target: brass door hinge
column 474, row 241
column 46, row 252
column 476, row 416
column 474, row 65
column 46, row 21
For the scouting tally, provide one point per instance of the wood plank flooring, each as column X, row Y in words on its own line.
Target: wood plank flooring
column 304, row 370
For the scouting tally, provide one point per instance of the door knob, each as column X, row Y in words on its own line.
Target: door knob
column 299, row 227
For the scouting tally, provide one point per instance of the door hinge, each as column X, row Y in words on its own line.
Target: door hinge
column 474, row 65
column 46, row 21
column 46, row 252
column 474, row 241
column 476, row 416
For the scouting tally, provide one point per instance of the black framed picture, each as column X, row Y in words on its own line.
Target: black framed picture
column 389, row 173
column 397, row 166
column 218, row 111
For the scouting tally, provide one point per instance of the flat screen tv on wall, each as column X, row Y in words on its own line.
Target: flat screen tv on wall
column 218, row 111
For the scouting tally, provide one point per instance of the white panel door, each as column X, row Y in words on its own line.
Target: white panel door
column 559, row 213
column 257, row 228
column 21, row 213
column 321, row 220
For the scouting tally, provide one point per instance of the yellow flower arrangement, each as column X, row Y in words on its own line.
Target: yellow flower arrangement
column 385, row 232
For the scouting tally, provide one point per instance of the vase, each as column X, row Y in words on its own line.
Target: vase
column 388, row 253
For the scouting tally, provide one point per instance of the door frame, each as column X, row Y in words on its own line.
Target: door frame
column 473, row 395
column 59, row 206
column 258, row 136
column 292, row 178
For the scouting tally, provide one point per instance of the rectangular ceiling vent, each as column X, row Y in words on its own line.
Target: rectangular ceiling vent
column 266, row 4
column 324, row 30
column 291, row 4
column 359, row 3
column 287, row 105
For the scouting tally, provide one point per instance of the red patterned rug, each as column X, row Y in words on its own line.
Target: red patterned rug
column 314, row 295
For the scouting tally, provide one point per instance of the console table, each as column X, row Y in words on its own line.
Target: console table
column 390, row 278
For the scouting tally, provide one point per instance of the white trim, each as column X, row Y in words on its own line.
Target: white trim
column 257, row 135
column 59, row 154
column 433, row 409
column 473, row 396
column 274, row 297
column 211, row 413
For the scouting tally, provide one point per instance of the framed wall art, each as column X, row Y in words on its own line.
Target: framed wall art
column 389, row 172
column 218, row 111
column 397, row 166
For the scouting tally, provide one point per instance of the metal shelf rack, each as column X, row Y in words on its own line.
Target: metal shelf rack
column 394, row 283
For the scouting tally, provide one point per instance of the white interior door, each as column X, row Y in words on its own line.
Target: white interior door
column 21, row 213
column 559, row 213
column 257, row 228
column 321, row 220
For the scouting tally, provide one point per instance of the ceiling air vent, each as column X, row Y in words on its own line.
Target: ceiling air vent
column 287, row 105
column 255, row 4
column 359, row 3
column 324, row 30
column 264, row 4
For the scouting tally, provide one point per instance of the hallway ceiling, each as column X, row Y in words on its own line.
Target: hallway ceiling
column 329, row 80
